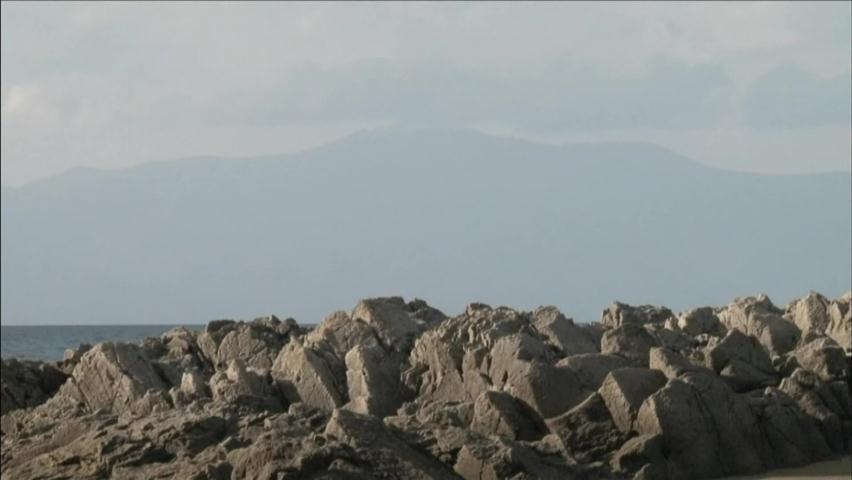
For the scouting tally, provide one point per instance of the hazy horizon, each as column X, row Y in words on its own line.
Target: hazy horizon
column 756, row 87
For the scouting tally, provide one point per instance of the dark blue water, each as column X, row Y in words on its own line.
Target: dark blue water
column 49, row 342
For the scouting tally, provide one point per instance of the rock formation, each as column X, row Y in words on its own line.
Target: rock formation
column 396, row 389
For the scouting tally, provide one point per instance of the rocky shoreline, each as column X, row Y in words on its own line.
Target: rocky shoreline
column 400, row 390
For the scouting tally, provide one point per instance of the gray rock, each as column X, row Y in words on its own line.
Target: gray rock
column 25, row 384
column 757, row 316
column 372, row 377
column 112, row 376
column 672, row 364
column 624, row 390
column 619, row 314
column 701, row 321
column 305, row 376
column 592, row 368
column 562, row 333
column 824, row 357
column 498, row 413
column 587, row 432
column 630, row 341
column 742, row 362
column 708, row 430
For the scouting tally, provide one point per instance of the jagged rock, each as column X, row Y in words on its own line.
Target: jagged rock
column 441, row 428
column 638, row 452
column 619, row 314
column 112, row 376
column 498, row 413
column 624, row 390
column 792, row 435
column 830, row 407
column 671, row 363
column 708, row 431
column 256, row 343
column 25, row 384
column 305, row 376
column 630, row 341
column 824, row 357
column 592, row 368
column 71, row 357
column 548, row 389
column 815, row 314
column 472, row 391
column 465, row 354
column 742, row 362
column 193, row 385
column 587, row 431
column 238, row 385
column 757, row 316
column 372, row 376
column 341, row 333
column 396, row 323
column 387, row 454
column 498, row 458
column 562, row 333
column 701, row 321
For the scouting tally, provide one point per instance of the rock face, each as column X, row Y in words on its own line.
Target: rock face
column 25, row 384
column 396, row 389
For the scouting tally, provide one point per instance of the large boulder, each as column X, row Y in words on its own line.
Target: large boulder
column 592, row 368
column 631, row 341
column 828, row 404
column 742, row 362
column 468, row 353
column 396, row 323
column 304, row 375
column 817, row 315
column 241, row 386
column 824, row 357
column 256, row 343
column 708, row 431
column 757, row 316
column 700, row 321
column 624, row 390
column 372, row 377
column 113, row 376
column 619, row 314
column 562, row 333
column 498, row 413
column 587, row 432
column 794, row 437
column 25, row 384
column 672, row 364
column 340, row 333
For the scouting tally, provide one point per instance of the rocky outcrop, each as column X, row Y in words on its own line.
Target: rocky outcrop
column 25, row 384
column 395, row 389
column 815, row 314
column 759, row 317
column 741, row 361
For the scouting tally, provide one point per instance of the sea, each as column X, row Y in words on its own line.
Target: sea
column 48, row 342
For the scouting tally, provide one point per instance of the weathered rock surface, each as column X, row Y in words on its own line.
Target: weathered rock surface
column 396, row 389
column 624, row 390
column 25, row 384
column 758, row 316
column 742, row 362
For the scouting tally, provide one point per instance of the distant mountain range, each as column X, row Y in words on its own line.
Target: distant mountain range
column 449, row 216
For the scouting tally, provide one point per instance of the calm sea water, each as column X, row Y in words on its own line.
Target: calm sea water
column 49, row 342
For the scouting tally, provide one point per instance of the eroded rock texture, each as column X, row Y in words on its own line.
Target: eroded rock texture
column 397, row 389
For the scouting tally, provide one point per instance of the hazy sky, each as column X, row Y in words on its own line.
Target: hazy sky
column 749, row 86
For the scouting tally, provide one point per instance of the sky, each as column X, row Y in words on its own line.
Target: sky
column 764, row 87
